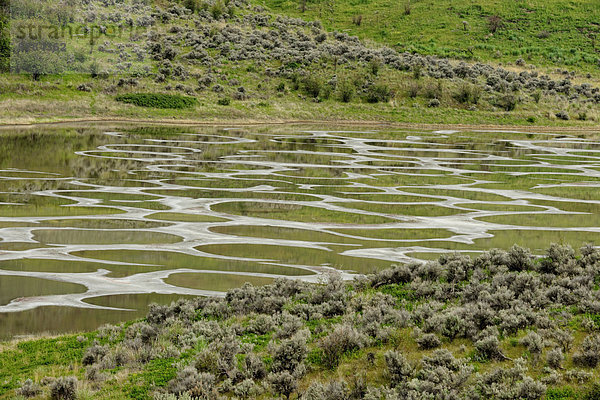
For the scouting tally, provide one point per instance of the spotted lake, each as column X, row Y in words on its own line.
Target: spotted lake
column 97, row 222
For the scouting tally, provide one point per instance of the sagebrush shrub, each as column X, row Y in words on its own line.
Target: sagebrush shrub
column 398, row 367
column 519, row 259
column 534, row 343
column 246, row 389
column 433, row 103
column 283, row 383
column 94, row 353
column 489, row 348
column 555, row 358
column 578, row 376
column 334, row 390
column 528, row 389
column 185, row 380
column 64, row 388
column 289, row 355
column 557, row 257
column 254, row 367
column 288, row 325
column 563, row 338
column 29, row 389
column 205, row 387
column 428, row 341
column 497, row 293
column 207, row 361
column 589, row 352
column 343, row 339
column 261, row 324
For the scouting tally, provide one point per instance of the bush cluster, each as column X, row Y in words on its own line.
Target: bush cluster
column 158, row 100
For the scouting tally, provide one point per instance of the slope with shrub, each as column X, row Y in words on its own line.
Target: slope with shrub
column 501, row 326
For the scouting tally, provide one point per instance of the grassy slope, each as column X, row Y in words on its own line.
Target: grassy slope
column 435, row 27
column 54, row 99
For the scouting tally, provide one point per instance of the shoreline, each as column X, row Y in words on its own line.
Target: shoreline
column 259, row 122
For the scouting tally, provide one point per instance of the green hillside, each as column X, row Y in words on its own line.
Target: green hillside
column 237, row 60
column 558, row 33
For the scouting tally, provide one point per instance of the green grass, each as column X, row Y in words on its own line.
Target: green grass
column 545, row 220
column 260, row 342
column 400, row 292
column 460, row 194
column 157, row 373
column 274, row 232
column 42, row 356
column 572, row 192
column 564, row 393
column 280, row 233
column 222, row 194
column 499, row 207
column 103, row 223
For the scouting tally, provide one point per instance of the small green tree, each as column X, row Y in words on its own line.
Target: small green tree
column 193, row 5
column 346, row 90
column 379, row 93
column 302, row 6
column 495, row 23
column 313, row 85
column 4, row 36
column 218, row 9
column 37, row 64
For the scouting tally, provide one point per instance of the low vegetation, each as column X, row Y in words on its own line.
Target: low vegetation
column 157, row 100
column 504, row 325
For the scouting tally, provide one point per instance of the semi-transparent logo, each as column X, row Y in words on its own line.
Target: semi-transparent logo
column 97, row 37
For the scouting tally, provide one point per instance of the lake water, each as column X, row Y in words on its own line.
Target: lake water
column 99, row 221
